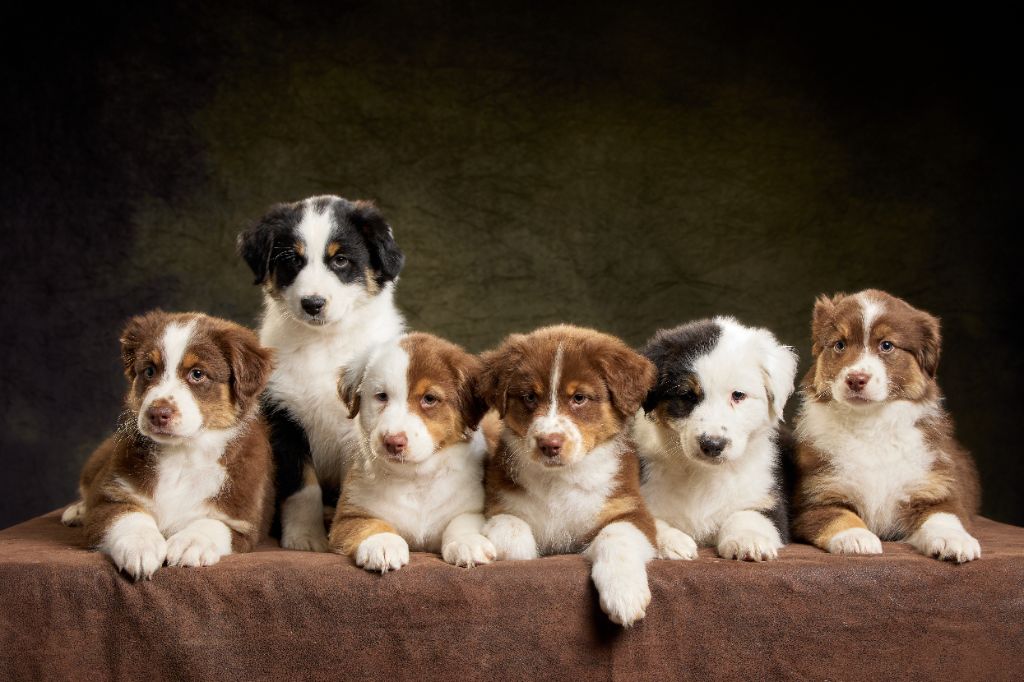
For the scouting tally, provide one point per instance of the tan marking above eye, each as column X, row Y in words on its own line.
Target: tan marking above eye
column 299, row 248
column 332, row 249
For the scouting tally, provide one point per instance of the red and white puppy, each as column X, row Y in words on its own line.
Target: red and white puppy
column 187, row 477
column 876, row 453
column 420, row 483
column 564, row 476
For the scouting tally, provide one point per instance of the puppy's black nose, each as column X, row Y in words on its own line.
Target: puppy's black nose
column 313, row 304
column 711, row 446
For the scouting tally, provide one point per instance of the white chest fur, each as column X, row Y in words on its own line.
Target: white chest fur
column 878, row 456
column 420, row 500
column 562, row 505
column 307, row 367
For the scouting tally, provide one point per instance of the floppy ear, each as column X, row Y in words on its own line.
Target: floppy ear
column 931, row 344
column 131, row 341
column 386, row 258
column 498, row 366
column 822, row 319
column 256, row 245
column 350, row 384
column 629, row 375
column 778, row 366
column 471, row 406
column 250, row 363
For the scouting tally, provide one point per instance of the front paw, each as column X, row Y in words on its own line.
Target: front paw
column 749, row 547
column 950, row 545
column 74, row 515
column 675, row 544
column 625, row 596
column 382, row 552
column 511, row 537
column 139, row 553
column 192, row 548
column 304, row 539
column 855, row 541
column 469, row 551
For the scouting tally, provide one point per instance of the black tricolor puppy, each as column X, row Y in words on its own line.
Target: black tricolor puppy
column 328, row 267
column 708, row 438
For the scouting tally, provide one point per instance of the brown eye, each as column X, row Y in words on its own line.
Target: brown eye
column 738, row 396
column 196, row 375
column 839, row 346
column 429, row 400
column 886, row 346
column 149, row 372
column 578, row 399
column 339, row 262
column 381, row 397
column 530, row 399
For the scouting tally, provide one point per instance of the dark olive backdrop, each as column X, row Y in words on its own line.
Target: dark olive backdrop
column 626, row 169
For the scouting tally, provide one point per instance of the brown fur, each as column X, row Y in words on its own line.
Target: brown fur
column 822, row 506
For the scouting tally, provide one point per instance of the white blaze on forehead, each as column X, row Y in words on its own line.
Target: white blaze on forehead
column 388, row 372
column 556, row 379
column 315, row 229
column 871, row 310
column 173, row 345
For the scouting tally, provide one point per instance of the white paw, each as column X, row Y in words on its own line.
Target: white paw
column 382, row 552
column 192, row 548
column 749, row 547
column 304, row 540
column 855, row 541
column 511, row 536
column 469, row 551
column 949, row 545
column 139, row 552
column 625, row 595
column 74, row 515
column 675, row 544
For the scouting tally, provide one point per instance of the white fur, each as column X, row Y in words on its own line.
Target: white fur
column 172, row 389
column 135, row 545
column 309, row 356
column 877, row 454
column 748, row 536
column 554, row 422
column 512, row 538
column 877, row 387
column 201, row 543
column 620, row 553
column 855, row 541
column 943, row 536
column 674, row 543
column 382, row 552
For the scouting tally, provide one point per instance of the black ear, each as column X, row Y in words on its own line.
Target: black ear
column 386, row 258
column 256, row 244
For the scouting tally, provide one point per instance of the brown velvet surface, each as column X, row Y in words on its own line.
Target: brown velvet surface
column 66, row 614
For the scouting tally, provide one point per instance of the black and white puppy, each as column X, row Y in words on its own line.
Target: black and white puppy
column 328, row 267
column 708, row 438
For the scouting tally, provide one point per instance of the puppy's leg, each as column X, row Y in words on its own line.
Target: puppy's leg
column 463, row 544
column 620, row 553
column 200, row 543
column 837, row 530
column 74, row 515
column 372, row 543
column 129, row 536
column 748, row 535
column 511, row 536
column 674, row 543
column 942, row 535
column 302, row 516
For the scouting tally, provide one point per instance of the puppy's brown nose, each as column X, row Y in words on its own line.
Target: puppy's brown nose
column 160, row 416
column 395, row 443
column 857, row 381
column 550, row 444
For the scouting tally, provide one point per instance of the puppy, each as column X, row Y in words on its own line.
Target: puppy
column 565, row 476
column 328, row 268
column 708, row 438
column 188, row 476
column 876, row 453
column 421, row 484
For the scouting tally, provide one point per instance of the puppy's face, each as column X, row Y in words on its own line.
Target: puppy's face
column 319, row 258
column 562, row 391
column 190, row 374
column 413, row 397
column 719, row 383
column 872, row 348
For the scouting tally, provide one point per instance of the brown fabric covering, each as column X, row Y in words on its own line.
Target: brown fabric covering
column 65, row 613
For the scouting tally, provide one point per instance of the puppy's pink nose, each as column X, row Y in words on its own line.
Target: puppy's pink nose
column 550, row 444
column 395, row 443
column 857, row 381
column 159, row 417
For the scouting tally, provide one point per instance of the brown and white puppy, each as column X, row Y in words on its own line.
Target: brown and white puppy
column 564, row 476
column 876, row 452
column 187, row 477
column 420, row 483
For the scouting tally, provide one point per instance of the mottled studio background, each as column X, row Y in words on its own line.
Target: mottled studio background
column 626, row 169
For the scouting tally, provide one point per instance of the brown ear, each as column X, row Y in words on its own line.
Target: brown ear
column 250, row 362
column 822, row 320
column 497, row 369
column 629, row 377
column 350, row 383
column 471, row 406
column 930, row 347
column 137, row 329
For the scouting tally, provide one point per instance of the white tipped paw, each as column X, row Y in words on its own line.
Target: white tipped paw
column 749, row 547
column 192, row 548
column 74, row 515
column 675, row 544
column 304, row 540
column 625, row 597
column 855, row 541
column 139, row 553
column 469, row 551
column 511, row 537
column 950, row 545
column 382, row 552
